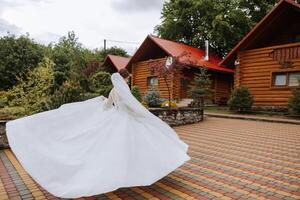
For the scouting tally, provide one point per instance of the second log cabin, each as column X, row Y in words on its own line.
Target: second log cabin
column 157, row 50
column 267, row 59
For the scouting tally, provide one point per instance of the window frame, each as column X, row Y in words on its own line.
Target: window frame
column 148, row 81
column 287, row 73
column 288, row 80
column 274, row 79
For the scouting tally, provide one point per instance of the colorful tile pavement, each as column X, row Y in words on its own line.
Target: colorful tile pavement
column 231, row 159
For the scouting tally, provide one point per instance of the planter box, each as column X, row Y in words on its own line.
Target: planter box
column 178, row 116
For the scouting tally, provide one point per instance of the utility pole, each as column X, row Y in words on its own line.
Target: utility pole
column 104, row 46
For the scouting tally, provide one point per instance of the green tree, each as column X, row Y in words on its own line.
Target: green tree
column 222, row 22
column 202, row 88
column 152, row 98
column 112, row 51
column 294, row 100
column 101, row 83
column 70, row 91
column 30, row 95
column 18, row 55
column 71, row 60
column 241, row 100
column 136, row 92
column 256, row 9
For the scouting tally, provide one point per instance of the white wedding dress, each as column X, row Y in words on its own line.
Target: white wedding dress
column 96, row 146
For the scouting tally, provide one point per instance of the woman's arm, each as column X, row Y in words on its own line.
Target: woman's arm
column 108, row 103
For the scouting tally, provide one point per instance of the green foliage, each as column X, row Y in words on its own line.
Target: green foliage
column 31, row 84
column 17, row 57
column 69, row 58
column 202, row 88
column 69, row 92
column 136, row 92
column 112, row 51
column 32, row 92
column 256, row 9
column 3, row 99
column 89, row 95
column 223, row 22
column 101, row 83
column 12, row 112
column 152, row 98
column 294, row 101
column 241, row 100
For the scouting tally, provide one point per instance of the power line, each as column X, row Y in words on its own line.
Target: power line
column 124, row 42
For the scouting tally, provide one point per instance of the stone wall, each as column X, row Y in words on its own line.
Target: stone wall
column 178, row 116
column 3, row 138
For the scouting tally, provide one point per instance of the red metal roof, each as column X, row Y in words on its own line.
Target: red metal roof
column 176, row 49
column 195, row 55
column 118, row 62
column 259, row 30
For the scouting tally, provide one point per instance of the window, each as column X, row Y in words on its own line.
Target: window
column 294, row 78
column 279, row 79
column 286, row 79
column 152, row 81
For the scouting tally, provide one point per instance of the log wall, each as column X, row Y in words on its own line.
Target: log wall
column 255, row 72
column 140, row 72
column 222, row 83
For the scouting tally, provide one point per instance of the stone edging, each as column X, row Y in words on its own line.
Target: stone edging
column 273, row 120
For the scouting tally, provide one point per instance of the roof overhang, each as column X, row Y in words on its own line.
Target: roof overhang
column 280, row 10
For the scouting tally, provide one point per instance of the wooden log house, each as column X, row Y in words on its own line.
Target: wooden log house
column 267, row 59
column 155, row 49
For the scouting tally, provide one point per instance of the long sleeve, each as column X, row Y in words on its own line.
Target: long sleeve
column 108, row 103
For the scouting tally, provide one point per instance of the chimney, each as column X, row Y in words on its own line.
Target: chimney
column 206, row 57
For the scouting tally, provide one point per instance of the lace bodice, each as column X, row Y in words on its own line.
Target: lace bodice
column 112, row 100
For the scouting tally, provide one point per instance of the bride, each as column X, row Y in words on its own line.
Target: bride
column 96, row 146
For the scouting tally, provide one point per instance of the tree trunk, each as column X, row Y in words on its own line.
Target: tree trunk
column 169, row 92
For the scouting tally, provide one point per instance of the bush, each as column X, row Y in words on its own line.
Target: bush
column 19, row 55
column 101, row 83
column 69, row 92
column 169, row 104
column 12, row 112
column 136, row 92
column 89, row 95
column 31, row 94
column 294, row 102
column 3, row 99
column 152, row 98
column 145, row 104
column 241, row 100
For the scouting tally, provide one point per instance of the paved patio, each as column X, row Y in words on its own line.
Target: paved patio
column 231, row 159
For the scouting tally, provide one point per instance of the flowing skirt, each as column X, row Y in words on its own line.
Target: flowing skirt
column 80, row 149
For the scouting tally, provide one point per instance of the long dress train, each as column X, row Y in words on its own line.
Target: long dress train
column 96, row 146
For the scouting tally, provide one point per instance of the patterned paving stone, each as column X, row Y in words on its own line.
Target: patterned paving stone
column 231, row 159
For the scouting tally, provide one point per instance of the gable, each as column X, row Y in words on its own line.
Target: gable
column 279, row 26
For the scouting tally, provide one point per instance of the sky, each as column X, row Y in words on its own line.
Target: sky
column 91, row 20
